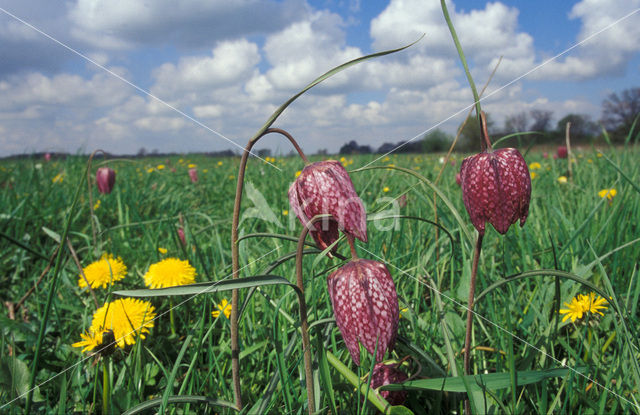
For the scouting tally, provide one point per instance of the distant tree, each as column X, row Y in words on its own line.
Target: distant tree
column 582, row 128
column 541, row 120
column 516, row 123
column 385, row 148
column 264, row 152
column 619, row 111
column 436, row 141
column 322, row 152
column 142, row 152
column 352, row 147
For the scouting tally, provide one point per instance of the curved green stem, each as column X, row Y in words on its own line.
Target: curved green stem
column 90, row 192
column 454, row 36
column 235, row 347
column 467, row 337
column 304, row 324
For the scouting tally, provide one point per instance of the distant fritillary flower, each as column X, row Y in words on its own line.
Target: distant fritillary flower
column 224, row 307
column 581, row 304
column 126, row 317
column 103, row 272
column 169, row 272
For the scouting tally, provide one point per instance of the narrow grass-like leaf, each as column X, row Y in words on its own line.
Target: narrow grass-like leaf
column 193, row 399
column 491, row 381
column 169, row 388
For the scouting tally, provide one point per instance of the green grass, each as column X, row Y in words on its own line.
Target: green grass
column 592, row 242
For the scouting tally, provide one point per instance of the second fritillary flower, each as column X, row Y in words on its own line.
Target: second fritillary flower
column 365, row 304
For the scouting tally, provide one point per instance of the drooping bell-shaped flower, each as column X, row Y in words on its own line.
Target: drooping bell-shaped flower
column 562, row 152
column 496, row 188
column 182, row 236
column 385, row 375
column 105, row 179
column 193, row 175
column 365, row 304
column 324, row 187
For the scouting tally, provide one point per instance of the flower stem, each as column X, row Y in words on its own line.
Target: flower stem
column 352, row 246
column 467, row 337
column 171, row 319
column 235, row 262
column 91, row 217
column 476, row 98
column 105, row 387
column 304, row 324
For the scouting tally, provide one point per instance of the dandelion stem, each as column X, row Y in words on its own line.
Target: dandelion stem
column 467, row 337
column 235, row 261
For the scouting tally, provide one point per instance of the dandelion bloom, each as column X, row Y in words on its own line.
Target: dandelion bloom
column 170, row 272
column 126, row 317
column 385, row 189
column 533, row 175
column 162, row 250
column 223, row 307
column 562, row 179
column 534, row 166
column 103, row 272
column 58, row 178
column 608, row 193
column 581, row 304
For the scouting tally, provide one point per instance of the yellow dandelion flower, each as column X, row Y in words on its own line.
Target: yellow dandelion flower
column 103, row 272
column 581, row 304
column 89, row 340
column 162, row 250
column 599, row 154
column 150, row 170
column 386, row 159
column 342, row 159
column 533, row 175
column 562, row 179
column 403, row 310
column 285, row 212
column 160, row 167
column 96, row 205
column 298, row 173
column 385, row 189
column 534, row 166
column 220, row 163
column 181, row 161
column 231, row 177
column 126, row 317
column 608, row 193
column 224, row 307
column 589, row 160
column 169, row 272
column 205, row 170
column 191, row 166
column 58, row 178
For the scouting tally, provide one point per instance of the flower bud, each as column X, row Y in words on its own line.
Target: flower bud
column 496, row 188
column 47, row 156
column 324, row 187
column 182, row 236
column 385, row 375
column 562, row 152
column 193, row 175
column 365, row 305
column 105, row 179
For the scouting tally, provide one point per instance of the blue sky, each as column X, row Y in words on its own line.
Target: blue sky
column 228, row 65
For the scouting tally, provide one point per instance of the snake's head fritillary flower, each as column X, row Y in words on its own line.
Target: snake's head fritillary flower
column 105, row 179
column 193, row 175
column 561, row 152
column 182, row 236
column 385, row 375
column 365, row 305
column 324, row 187
column 47, row 156
column 496, row 188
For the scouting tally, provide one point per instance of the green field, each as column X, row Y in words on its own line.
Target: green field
column 574, row 242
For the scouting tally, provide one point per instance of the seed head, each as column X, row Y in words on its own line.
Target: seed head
column 105, row 179
column 496, row 188
column 365, row 305
column 324, row 187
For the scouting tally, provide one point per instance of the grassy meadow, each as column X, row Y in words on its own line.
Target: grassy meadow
column 575, row 241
